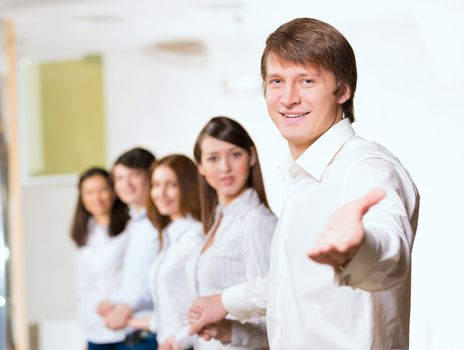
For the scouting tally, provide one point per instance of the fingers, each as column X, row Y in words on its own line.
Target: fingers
column 208, row 332
column 114, row 322
column 204, row 311
column 332, row 249
column 196, row 326
column 330, row 256
column 325, row 258
column 194, row 314
column 103, row 308
column 205, row 336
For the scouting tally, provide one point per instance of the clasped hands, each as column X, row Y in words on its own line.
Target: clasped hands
column 115, row 316
column 335, row 246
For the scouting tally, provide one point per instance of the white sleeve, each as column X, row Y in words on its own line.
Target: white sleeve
column 84, row 287
column 184, row 340
column 153, row 322
column 246, row 301
column 175, row 310
column 385, row 256
column 252, row 332
column 140, row 254
column 81, row 281
column 257, row 245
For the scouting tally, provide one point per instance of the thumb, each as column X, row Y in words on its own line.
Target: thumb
column 196, row 326
column 370, row 199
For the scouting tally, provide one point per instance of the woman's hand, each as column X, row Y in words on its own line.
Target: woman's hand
column 142, row 323
column 104, row 307
column 170, row 344
column 118, row 316
column 221, row 331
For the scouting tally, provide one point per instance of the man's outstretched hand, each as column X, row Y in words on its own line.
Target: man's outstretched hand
column 205, row 311
column 344, row 234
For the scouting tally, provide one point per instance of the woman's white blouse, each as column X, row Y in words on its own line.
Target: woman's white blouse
column 98, row 276
column 240, row 253
column 171, row 293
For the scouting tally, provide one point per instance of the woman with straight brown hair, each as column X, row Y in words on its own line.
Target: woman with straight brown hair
column 174, row 209
column 236, row 215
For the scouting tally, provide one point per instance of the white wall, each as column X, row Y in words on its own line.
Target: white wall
column 163, row 106
column 401, row 102
column 49, row 252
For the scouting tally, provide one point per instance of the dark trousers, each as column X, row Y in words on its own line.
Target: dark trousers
column 112, row 346
column 135, row 341
column 140, row 340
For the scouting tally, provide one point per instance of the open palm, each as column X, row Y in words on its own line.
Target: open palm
column 344, row 234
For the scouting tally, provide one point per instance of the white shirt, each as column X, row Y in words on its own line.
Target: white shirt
column 141, row 252
column 240, row 253
column 172, row 295
column 98, row 275
column 367, row 305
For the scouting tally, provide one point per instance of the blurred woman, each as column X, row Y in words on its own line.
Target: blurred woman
column 174, row 209
column 236, row 215
column 98, row 230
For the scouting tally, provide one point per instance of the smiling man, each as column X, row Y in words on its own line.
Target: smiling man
column 340, row 269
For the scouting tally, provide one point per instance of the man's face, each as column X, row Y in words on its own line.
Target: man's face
column 131, row 185
column 301, row 102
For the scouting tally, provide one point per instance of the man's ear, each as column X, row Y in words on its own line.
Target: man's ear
column 344, row 94
column 253, row 157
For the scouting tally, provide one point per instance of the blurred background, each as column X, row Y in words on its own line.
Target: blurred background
column 83, row 81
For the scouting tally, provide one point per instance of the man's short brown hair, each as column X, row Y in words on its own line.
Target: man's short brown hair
column 310, row 41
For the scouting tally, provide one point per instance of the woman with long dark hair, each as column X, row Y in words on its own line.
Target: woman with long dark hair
column 174, row 209
column 239, row 223
column 98, row 230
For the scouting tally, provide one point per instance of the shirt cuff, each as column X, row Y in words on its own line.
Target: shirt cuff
column 183, row 339
column 152, row 323
column 360, row 267
column 236, row 302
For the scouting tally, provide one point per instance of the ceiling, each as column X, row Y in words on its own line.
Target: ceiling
column 50, row 29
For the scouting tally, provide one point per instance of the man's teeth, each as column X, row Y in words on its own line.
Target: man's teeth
column 295, row 115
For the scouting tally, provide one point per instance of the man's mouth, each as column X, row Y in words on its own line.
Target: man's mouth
column 293, row 115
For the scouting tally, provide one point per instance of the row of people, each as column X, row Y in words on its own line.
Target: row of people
column 198, row 227
column 338, row 272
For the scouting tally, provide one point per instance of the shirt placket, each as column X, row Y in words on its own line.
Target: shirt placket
column 282, row 264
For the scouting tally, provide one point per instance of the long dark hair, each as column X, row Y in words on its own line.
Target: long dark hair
column 119, row 215
column 187, row 177
column 227, row 130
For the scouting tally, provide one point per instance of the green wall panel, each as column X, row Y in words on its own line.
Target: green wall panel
column 71, row 114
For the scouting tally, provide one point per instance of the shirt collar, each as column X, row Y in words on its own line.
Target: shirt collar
column 320, row 154
column 176, row 228
column 137, row 215
column 249, row 198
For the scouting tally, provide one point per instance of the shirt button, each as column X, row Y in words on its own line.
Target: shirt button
column 284, row 232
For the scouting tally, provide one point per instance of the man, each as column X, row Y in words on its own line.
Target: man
column 132, row 185
column 328, row 226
